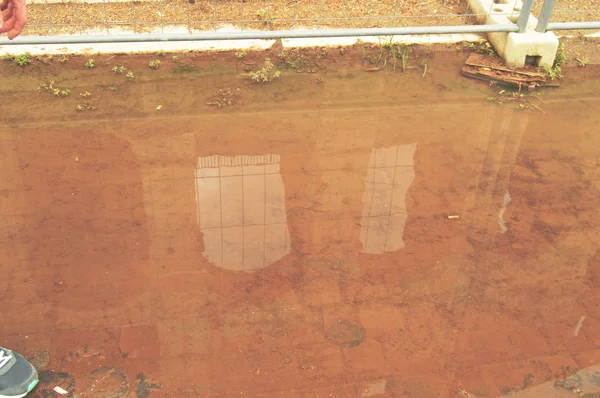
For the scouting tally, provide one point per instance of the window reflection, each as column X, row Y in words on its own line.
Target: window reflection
column 241, row 210
column 389, row 175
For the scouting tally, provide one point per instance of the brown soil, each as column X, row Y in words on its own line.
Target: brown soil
column 364, row 287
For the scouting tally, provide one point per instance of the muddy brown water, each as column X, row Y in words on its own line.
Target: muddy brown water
column 336, row 234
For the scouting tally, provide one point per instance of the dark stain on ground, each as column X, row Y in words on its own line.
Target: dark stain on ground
column 50, row 379
column 593, row 270
column 527, row 380
column 595, row 378
column 146, row 385
column 346, row 334
column 40, row 359
column 108, row 382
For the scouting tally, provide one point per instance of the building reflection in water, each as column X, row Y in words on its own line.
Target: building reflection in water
column 241, row 210
column 389, row 175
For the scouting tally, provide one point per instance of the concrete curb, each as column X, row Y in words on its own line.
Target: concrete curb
column 225, row 45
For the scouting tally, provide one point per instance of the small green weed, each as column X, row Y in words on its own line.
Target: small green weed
column 161, row 53
column 555, row 73
column 90, row 63
column 404, row 55
column 299, row 62
column 480, row 47
column 45, row 59
column 394, row 54
column 561, row 55
column 130, row 75
column 582, row 62
column 266, row 74
column 23, row 59
column 266, row 15
column 52, row 89
column 154, row 64
column 323, row 53
column 85, row 107
column 118, row 69
column 225, row 97
column 381, row 49
column 240, row 54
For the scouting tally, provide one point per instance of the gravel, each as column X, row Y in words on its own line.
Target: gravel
column 197, row 15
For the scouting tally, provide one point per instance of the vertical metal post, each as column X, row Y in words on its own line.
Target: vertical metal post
column 544, row 16
column 524, row 16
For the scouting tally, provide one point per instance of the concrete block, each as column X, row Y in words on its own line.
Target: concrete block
column 516, row 49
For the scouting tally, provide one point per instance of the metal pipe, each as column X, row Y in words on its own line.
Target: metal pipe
column 524, row 16
column 256, row 35
column 573, row 25
column 545, row 15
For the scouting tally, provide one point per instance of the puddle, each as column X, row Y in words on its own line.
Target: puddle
column 338, row 233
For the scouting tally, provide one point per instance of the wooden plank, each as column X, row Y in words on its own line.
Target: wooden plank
column 489, row 68
column 486, row 61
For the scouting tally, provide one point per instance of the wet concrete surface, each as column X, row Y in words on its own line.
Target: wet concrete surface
column 350, row 238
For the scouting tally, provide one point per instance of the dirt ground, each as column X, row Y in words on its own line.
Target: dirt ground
column 342, row 233
column 145, row 16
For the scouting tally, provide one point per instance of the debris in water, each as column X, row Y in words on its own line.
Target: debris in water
column 60, row 390
column 579, row 325
column 507, row 199
column 492, row 69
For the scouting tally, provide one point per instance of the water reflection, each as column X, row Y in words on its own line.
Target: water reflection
column 389, row 175
column 241, row 210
